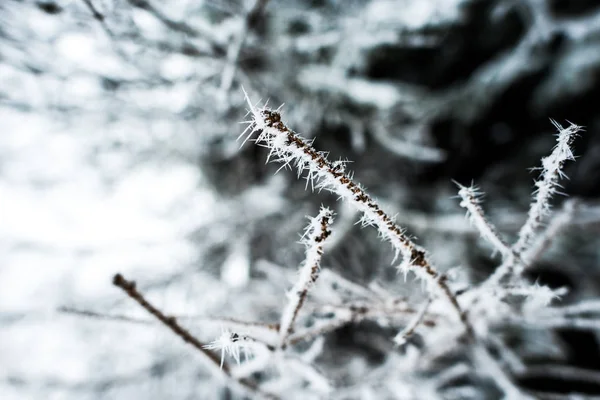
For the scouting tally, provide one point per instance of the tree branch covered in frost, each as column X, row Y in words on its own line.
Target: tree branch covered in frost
column 487, row 301
column 233, row 344
column 470, row 200
column 287, row 148
column 546, row 186
column 314, row 238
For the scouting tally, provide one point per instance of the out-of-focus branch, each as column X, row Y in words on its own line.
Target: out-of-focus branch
column 179, row 26
column 129, row 287
column 170, row 322
column 234, row 50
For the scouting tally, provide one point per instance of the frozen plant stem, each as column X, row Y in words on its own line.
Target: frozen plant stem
column 314, row 239
column 471, row 201
column 129, row 287
column 546, row 186
column 287, row 147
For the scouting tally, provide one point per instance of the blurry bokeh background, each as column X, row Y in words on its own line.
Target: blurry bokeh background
column 118, row 153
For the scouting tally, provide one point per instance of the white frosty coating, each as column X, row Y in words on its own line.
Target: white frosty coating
column 234, row 345
column 470, row 200
column 287, row 153
column 287, row 148
column 537, row 297
column 491, row 299
column 540, row 207
column 315, row 235
column 547, row 184
column 267, row 334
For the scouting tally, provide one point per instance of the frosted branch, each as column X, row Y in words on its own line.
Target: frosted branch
column 314, row 238
column 471, row 199
column 129, row 287
column 547, row 184
column 287, row 147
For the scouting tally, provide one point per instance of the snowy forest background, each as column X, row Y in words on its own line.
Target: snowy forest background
column 119, row 122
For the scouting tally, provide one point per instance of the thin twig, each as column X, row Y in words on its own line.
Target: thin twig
column 546, row 186
column 129, row 287
column 267, row 332
column 235, row 48
column 315, row 237
column 169, row 321
column 471, row 200
column 105, row 317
